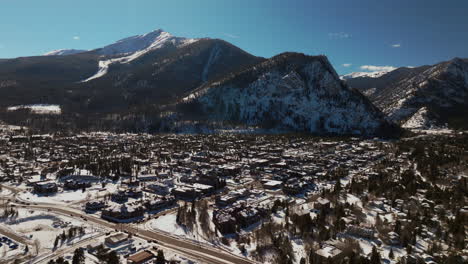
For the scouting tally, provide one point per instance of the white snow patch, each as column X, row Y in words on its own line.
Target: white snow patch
column 168, row 224
column 373, row 74
column 419, row 120
column 64, row 52
column 39, row 108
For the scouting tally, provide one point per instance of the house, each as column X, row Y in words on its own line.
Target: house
column 124, row 212
column 94, row 206
column 293, row 186
column 226, row 199
column 248, row 216
column 134, row 193
column 93, row 247
column 159, row 203
column 183, row 192
column 361, row 232
column 225, row 223
column 140, row 257
column 272, row 185
column 75, row 185
column 157, row 188
column 464, row 211
column 45, row 187
column 120, row 196
column 327, row 253
column 147, row 178
column 322, row 204
column 115, row 240
column 192, row 191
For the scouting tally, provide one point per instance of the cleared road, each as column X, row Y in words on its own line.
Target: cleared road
column 186, row 248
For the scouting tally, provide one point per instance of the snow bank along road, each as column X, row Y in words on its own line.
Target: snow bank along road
column 190, row 250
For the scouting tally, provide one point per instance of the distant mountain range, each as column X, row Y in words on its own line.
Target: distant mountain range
column 422, row 97
column 158, row 81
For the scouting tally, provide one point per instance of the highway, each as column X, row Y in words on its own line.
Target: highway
column 189, row 249
column 185, row 248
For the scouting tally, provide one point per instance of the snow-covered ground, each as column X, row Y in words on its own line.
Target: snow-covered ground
column 58, row 198
column 167, row 223
column 42, row 228
column 67, row 197
column 5, row 192
column 39, row 108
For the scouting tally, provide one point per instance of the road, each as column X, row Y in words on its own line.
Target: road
column 15, row 237
column 63, row 251
column 186, row 248
column 183, row 247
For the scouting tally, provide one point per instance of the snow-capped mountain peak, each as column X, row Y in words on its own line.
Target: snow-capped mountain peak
column 64, row 52
column 131, row 48
column 153, row 39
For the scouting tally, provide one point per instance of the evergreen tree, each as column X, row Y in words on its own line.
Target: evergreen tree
column 375, row 256
column 56, row 242
column 78, row 256
column 160, row 259
column 112, row 258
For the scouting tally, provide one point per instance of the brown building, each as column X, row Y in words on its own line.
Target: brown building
column 140, row 257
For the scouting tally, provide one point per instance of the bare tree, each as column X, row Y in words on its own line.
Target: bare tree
column 37, row 246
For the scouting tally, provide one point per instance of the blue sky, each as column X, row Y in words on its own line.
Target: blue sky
column 352, row 33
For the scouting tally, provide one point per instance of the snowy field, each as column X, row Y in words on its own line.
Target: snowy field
column 67, row 197
column 39, row 108
column 167, row 223
column 5, row 192
column 42, row 228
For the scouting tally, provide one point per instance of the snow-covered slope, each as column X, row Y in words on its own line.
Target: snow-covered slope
column 290, row 91
column 374, row 74
column 420, row 120
column 146, row 42
column 38, row 108
column 132, row 48
column 439, row 88
column 371, row 85
column 64, row 52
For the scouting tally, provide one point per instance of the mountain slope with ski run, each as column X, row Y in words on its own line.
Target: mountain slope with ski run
column 130, row 49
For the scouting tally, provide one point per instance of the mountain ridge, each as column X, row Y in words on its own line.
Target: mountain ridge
column 289, row 91
column 427, row 93
column 136, row 79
